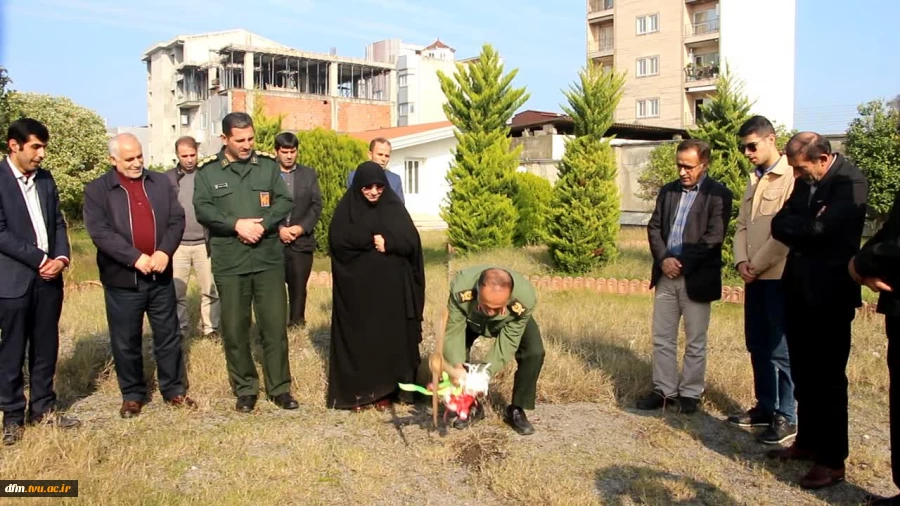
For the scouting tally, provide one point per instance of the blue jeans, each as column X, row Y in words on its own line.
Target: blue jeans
column 764, row 312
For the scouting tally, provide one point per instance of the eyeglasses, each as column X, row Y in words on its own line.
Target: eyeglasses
column 688, row 168
column 375, row 187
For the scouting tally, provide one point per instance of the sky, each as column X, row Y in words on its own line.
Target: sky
column 90, row 50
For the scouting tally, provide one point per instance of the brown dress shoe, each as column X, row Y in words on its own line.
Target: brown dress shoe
column 820, row 476
column 182, row 401
column 792, row 452
column 130, row 409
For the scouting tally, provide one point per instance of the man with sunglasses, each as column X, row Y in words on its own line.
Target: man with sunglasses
column 497, row 303
column 760, row 260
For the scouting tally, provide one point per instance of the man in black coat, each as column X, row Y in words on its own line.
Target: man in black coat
column 135, row 221
column 686, row 233
column 34, row 250
column 877, row 265
column 822, row 224
column 298, row 230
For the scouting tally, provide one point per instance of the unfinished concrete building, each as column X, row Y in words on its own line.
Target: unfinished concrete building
column 194, row 81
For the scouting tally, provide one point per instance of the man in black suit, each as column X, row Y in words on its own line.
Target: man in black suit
column 686, row 233
column 877, row 265
column 136, row 223
column 34, row 250
column 822, row 224
column 297, row 232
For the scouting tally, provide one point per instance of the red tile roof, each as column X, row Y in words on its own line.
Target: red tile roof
column 395, row 132
column 439, row 45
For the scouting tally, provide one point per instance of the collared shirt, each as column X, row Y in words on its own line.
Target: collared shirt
column 288, row 178
column 33, row 203
column 688, row 196
column 762, row 172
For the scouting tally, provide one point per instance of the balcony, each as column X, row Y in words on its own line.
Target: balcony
column 701, row 76
column 600, row 10
column 188, row 100
column 704, row 31
column 600, row 48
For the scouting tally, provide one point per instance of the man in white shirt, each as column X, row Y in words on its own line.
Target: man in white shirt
column 34, row 250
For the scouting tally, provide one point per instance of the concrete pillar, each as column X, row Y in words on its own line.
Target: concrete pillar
column 392, row 94
column 333, row 92
column 248, row 71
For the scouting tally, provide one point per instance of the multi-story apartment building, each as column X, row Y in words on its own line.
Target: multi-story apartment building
column 419, row 96
column 673, row 50
column 193, row 81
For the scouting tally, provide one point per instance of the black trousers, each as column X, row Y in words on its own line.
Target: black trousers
column 125, row 309
column 819, row 346
column 892, row 327
column 31, row 323
column 297, row 268
column 529, row 361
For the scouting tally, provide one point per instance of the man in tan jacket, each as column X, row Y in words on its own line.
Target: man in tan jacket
column 760, row 260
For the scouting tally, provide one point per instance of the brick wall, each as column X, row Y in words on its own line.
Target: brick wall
column 355, row 116
column 306, row 112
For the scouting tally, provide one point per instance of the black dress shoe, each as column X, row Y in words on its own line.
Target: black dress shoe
column 12, row 433
column 56, row 420
column 475, row 413
column 245, row 403
column 286, row 401
column 515, row 416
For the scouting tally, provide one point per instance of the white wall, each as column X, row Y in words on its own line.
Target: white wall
column 761, row 53
column 432, row 184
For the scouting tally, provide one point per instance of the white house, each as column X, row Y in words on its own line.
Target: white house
column 421, row 155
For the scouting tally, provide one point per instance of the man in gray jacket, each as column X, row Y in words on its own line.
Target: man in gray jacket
column 193, row 251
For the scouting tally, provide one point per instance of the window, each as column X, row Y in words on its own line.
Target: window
column 648, row 24
column 411, row 175
column 404, row 110
column 412, row 108
column 402, row 79
column 648, row 66
column 648, row 108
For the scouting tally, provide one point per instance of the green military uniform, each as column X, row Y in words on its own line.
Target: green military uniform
column 516, row 333
column 225, row 191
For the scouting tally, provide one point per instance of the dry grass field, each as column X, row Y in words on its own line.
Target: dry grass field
column 591, row 446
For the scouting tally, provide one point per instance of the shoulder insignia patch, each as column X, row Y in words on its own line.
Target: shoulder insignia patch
column 266, row 154
column 206, row 160
column 517, row 308
column 464, row 296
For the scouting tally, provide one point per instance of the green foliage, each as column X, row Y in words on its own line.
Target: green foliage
column 479, row 210
column 265, row 128
column 77, row 151
column 660, row 169
column 332, row 156
column 533, row 195
column 718, row 126
column 873, row 143
column 584, row 222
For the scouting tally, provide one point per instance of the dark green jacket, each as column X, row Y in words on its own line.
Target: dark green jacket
column 507, row 327
column 227, row 191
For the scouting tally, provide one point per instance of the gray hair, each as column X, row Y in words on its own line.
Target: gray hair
column 113, row 143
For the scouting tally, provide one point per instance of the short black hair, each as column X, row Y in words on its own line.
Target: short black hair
column 809, row 144
column 234, row 120
column 286, row 140
column 23, row 128
column 758, row 125
column 700, row 146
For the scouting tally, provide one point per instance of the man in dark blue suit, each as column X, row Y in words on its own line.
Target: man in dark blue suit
column 34, row 250
column 380, row 153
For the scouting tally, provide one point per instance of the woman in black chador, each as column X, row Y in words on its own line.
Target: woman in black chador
column 378, row 295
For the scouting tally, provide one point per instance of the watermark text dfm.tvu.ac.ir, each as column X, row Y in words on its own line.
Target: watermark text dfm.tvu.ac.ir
column 38, row 488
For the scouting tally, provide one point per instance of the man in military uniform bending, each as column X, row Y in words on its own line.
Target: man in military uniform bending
column 240, row 197
column 496, row 303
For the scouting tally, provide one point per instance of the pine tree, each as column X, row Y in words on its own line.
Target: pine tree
column 719, row 123
column 584, row 223
column 479, row 211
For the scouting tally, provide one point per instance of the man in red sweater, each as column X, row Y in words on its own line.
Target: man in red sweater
column 134, row 218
